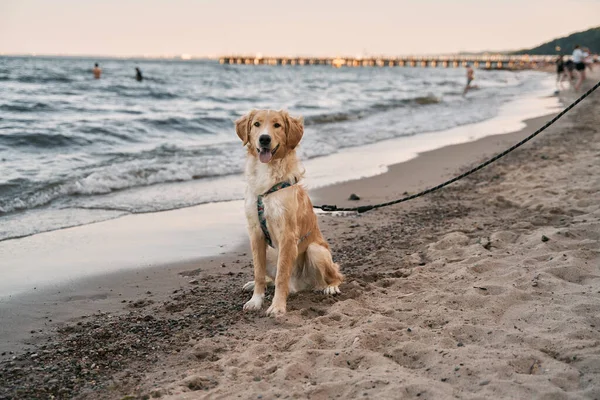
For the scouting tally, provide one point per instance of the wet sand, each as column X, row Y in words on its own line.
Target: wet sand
column 487, row 289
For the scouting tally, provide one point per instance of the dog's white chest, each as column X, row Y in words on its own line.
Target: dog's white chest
column 273, row 211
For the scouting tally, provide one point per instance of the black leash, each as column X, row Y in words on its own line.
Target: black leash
column 362, row 209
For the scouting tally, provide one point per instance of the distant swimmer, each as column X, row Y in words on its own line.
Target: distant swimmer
column 470, row 77
column 138, row 74
column 561, row 72
column 97, row 71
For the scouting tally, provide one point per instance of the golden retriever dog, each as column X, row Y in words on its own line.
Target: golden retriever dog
column 280, row 214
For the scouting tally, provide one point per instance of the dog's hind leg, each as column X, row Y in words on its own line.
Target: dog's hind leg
column 327, row 275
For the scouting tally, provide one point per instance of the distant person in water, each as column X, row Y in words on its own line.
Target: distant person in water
column 97, row 71
column 470, row 77
column 561, row 72
column 138, row 74
column 578, row 60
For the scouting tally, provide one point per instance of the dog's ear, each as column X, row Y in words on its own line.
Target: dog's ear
column 242, row 126
column 294, row 129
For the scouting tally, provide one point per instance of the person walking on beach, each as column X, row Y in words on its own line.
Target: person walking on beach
column 138, row 75
column 470, row 77
column 97, row 71
column 579, row 66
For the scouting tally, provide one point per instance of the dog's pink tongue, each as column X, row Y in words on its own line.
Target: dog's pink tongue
column 265, row 155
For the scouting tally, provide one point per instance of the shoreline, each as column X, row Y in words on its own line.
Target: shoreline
column 434, row 167
column 67, row 254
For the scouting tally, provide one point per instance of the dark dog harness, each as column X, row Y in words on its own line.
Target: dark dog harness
column 261, row 211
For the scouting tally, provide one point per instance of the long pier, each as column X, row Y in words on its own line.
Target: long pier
column 498, row 61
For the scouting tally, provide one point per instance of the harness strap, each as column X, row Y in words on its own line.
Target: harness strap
column 261, row 211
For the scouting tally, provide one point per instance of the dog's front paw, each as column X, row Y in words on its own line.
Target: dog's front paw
column 255, row 303
column 248, row 286
column 276, row 310
column 331, row 290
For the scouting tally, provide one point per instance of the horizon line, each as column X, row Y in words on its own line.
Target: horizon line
column 188, row 57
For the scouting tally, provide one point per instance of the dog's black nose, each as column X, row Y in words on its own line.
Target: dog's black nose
column 264, row 140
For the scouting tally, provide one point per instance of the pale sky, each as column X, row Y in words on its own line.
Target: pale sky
column 271, row 27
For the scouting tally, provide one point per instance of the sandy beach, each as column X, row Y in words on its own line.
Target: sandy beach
column 487, row 289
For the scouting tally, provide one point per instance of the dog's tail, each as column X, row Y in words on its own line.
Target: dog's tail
column 319, row 261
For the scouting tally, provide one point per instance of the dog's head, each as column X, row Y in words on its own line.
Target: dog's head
column 269, row 134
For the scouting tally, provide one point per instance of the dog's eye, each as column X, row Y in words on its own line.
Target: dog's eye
column 257, row 124
column 277, row 125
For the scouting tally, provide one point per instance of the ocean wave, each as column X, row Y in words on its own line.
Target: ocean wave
column 155, row 79
column 188, row 125
column 141, row 91
column 44, row 79
column 30, row 196
column 332, row 118
column 98, row 183
column 12, row 187
column 162, row 95
column 453, row 93
column 156, row 95
column 102, row 133
column 232, row 99
column 163, row 164
column 42, row 140
column 419, row 100
column 448, row 83
column 26, row 107
column 377, row 107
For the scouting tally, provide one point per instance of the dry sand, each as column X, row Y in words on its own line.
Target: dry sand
column 487, row 289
